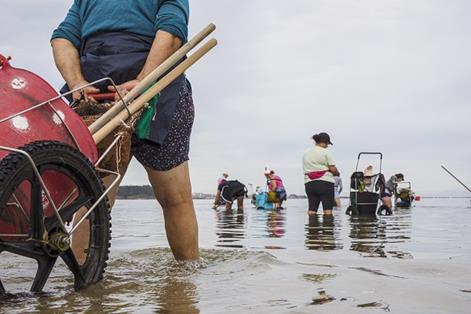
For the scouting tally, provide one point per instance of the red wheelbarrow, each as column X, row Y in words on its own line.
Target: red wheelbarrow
column 50, row 165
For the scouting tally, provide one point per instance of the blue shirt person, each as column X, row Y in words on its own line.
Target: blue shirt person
column 126, row 40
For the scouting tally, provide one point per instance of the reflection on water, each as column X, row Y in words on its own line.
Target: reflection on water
column 268, row 223
column 245, row 272
column 276, row 223
column 178, row 296
column 230, row 227
column 370, row 234
column 323, row 233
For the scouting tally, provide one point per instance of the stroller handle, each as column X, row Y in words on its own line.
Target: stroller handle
column 371, row 153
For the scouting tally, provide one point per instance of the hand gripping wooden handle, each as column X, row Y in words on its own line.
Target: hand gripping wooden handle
column 151, row 78
column 139, row 103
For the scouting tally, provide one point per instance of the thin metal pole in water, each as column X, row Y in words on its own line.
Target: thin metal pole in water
column 451, row 174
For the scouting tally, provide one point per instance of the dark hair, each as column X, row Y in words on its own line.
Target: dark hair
column 399, row 176
column 272, row 171
column 322, row 138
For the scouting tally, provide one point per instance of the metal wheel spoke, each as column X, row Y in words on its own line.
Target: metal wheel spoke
column 26, row 249
column 32, row 250
column 45, row 266
column 68, row 212
column 60, row 173
column 37, row 213
column 2, row 288
column 71, row 262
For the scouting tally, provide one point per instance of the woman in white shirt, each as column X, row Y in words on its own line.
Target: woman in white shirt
column 319, row 170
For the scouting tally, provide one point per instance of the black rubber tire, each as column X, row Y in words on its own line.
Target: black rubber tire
column 15, row 167
column 349, row 210
column 384, row 210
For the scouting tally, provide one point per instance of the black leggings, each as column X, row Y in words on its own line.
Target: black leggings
column 318, row 191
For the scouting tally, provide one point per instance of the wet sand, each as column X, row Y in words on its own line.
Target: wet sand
column 416, row 261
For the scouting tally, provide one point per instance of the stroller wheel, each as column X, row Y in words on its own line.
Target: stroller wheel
column 349, row 210
column 384, row 211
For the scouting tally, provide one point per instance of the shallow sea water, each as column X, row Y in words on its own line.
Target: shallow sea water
column 416, row 261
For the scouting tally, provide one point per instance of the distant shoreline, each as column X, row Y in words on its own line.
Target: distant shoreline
column 145, row 192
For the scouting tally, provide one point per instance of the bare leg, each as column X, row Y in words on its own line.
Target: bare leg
column 228, row 205
column 240, row 203
column 327, row 212
column 107, row 181
column 312, row 212
column 387, row 201
column 338, row 202
column 217, row 200
column 173, row 191
column 81, row 236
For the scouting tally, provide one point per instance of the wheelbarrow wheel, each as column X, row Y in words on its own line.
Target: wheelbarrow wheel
column 349, row 210
column 384, row 210
column 29, row 226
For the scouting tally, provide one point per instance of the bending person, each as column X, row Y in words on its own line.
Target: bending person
column 275, row 188
column 126, row 40
column 391, row 186
column 319, row 170
column 229, row 191
column 218, row 201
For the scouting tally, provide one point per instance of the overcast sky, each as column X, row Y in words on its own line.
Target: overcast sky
column 391, row 76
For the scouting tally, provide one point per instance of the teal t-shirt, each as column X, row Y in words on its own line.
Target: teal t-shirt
column 141, row 17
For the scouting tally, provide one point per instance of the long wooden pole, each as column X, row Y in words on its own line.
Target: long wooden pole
column 139, row 103
column 151, row 78
column 454, row 177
